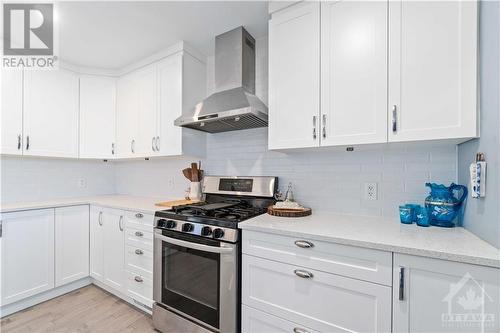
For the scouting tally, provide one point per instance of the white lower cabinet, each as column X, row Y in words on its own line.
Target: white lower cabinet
column 71, row 244
column 254, row 320
column 27, row 254
column 433, row 295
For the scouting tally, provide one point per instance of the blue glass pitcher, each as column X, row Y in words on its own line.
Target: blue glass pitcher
column 442, row 204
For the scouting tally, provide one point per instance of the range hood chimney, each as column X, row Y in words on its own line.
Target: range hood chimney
column 234, row 105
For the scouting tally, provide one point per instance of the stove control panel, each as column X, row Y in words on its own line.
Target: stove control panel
column 198, row 229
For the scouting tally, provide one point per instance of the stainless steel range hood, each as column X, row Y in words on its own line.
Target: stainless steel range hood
column 234, row 105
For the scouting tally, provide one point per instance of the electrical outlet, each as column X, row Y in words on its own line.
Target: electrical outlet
column 371, row 190
column 82, row 183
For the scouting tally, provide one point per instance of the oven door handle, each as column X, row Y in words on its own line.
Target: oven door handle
column 194, row 246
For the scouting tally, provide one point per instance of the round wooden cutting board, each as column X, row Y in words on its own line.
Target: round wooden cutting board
column 285, row 212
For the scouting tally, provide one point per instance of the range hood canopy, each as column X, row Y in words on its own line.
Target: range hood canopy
column 234, row 105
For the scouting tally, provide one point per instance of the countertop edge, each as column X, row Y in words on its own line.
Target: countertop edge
column 467, row 259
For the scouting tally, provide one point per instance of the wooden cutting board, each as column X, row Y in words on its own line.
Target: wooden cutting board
column 175, row 203
column 287, row 212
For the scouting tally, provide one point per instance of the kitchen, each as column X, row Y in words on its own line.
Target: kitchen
column 340, row 111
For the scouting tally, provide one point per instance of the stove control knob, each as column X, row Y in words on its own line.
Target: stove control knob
column 187, row 227
column 206, row 231
column 170, row 224
column 161, row 223
column 218, row 233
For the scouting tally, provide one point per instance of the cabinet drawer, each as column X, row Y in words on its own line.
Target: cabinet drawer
column 356, row 262
column 139, row 238
column 140, row 262
column 139, row 218
column 255, row 321
column 322, row 301
column 140, row 288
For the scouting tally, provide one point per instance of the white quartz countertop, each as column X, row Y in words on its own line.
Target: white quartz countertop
column 126, row 202
column 455, row 244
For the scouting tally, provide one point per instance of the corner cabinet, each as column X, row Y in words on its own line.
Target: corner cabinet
column 433, row 70
column 348, row 73
column 432, row 295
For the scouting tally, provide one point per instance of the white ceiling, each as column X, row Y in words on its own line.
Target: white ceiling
column 111, row 35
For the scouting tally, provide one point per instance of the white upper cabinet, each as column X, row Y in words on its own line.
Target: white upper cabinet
column 97, row 116
column 294, row 77
column 146, row 85
column 353, row 72
column 181, row 85
column 127, row 111
column 433, row 295
column 27, row 254
column 12, row 112
column 432, row 70
column 50, row 123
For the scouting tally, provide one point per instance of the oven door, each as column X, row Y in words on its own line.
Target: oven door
column 196, row 278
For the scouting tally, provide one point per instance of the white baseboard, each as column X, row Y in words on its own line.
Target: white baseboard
column 42, row 297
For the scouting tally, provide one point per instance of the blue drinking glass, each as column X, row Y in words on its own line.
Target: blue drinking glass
column 414, row 208
column 423, row 217
column 405, row 215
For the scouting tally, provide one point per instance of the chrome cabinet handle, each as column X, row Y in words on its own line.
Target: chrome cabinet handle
column 132, row 146
column 401, row 283
column 19, row 142
column 157, row 143
column 100, row 218
column 303, row 274
column 112, row 148
column 120, row 223
column 394, row 119
column 139, row 215
column 138, row 279
column 139, row 234
column 1, row 228
column 27, row 142
column 299, row 330
column 139, row 252
column 314, row 127
column 324, row 126
column 153, row 146
column 304, row 244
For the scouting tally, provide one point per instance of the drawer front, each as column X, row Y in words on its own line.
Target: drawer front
column 139, row 261
column 140, row 288
column 139, row 218
column 255, row 321
column 322, row 301
column 356, row 262
column 139, row 238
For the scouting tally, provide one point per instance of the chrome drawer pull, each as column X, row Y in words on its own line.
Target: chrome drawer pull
column 299, row 330
column 138, row 279
column 303, row 274
column 139, row 252
column 139, row 215
column 304, row 244
column 139, row 234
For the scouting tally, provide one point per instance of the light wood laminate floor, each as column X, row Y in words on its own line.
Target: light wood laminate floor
column 89, row 309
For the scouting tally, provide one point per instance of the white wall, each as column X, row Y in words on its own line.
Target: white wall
column 31, row 179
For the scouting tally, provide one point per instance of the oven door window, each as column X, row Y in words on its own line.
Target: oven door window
column 190, row 282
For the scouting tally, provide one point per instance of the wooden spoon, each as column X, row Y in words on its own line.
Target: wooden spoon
column 194, row 172
column 187, row 173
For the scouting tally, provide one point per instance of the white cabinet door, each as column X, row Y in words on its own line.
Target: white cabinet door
column 51, row 113
column 12, row 112
column 114, row 248
column 97, row 116
column 71, row 244
column 353, row 72
column 294, row 77
column 170, row 105
column 146, row 84
column 324, row 302
column 433, row 295
column 27, row 254
column 96, row 243
column 432, row 70
column 127, row 116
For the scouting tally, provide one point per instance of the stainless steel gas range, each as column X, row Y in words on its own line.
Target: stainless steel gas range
column 197, row 255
